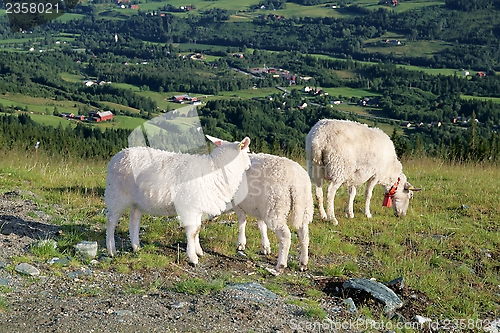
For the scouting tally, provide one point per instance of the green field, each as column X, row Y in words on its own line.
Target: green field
column 445, row 248
column 75, row 78
column 68, row 17
column 408, row 48
column 493, row 99
column 432, row 71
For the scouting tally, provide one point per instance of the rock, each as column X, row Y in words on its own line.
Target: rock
column 179, row 305
column 493, row 327
column 27, row 269
column 272, row 271
column 52, row 261
column 4, row 282
column 422, row 320
column 351, row 307
column 60, row 261
column 81, row 272
column 397, row 283
column 378, row 291
column 87, row 249
column 253, row 292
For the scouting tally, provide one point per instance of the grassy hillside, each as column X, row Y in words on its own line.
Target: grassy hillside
column 447, row 247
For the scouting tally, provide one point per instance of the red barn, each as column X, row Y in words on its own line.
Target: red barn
column 101, row 116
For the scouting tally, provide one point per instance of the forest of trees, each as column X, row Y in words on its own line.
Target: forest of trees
column 21, row 132
column 277, row 123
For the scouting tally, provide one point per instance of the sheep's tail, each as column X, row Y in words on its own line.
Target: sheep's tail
column 302, row 206
column 314, row 160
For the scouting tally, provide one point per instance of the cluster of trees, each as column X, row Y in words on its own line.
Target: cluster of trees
column 471, row 35
column 21, row 133
column 469, row 5
column 39, row 75
column 278, row 124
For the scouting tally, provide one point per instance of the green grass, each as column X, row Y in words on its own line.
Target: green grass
column 446, row 247
column 493, row 99
column 68, row 17
column 75, row 78
column 433, row 71
column 197, row 286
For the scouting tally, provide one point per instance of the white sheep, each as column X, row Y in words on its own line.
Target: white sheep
column 349, row 153
column 277, row 190
column 158, row 182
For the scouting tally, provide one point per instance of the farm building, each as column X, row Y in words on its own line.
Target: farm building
column 101, row 116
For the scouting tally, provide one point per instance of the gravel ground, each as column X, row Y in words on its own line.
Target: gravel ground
column 96, row 299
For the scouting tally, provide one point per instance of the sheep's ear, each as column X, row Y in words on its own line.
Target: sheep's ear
column 245, row 143
column 410, row 187
column 216, row 141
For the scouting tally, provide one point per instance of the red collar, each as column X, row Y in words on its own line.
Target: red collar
column 393, row 189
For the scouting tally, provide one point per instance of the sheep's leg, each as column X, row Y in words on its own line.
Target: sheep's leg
column 303, row 233
column 197, row 245
column 192, row 231
column 266, row 246
column 350, row 205
column 135, row 220
column 112, row 221
column 330, row 198
column 319, row 197
column 368, row 195
column 284, row 238
column 242, row 222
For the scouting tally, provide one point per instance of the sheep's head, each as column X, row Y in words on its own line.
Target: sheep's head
column 402, row 196
column 240, row 147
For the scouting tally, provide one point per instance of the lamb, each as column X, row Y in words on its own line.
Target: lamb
column 349, row 153
column 277, row 189
column 158, row 182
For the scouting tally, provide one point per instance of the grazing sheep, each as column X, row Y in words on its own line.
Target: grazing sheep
column 349, row 153
column 157, row 182
column 277, row 189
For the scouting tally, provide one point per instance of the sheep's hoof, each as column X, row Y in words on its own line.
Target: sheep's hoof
column 240, row 247
column 135, row 247
column 369, row 215
column 192, row 264
column 280, row 268
column 266, row 250
column 323, row 216
column 303, row 268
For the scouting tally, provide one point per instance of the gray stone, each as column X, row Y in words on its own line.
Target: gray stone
column 253, row 292
column 3, row 264
column 397, row 283
column 60, row 261
column 351, row 307
column 422, row 320
column 87, row 249
column 4, row 282
column 179, row 305
column 83, row 271
column 123, row 313
column 378, row 291
column 27, row 269
column 493, row 327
